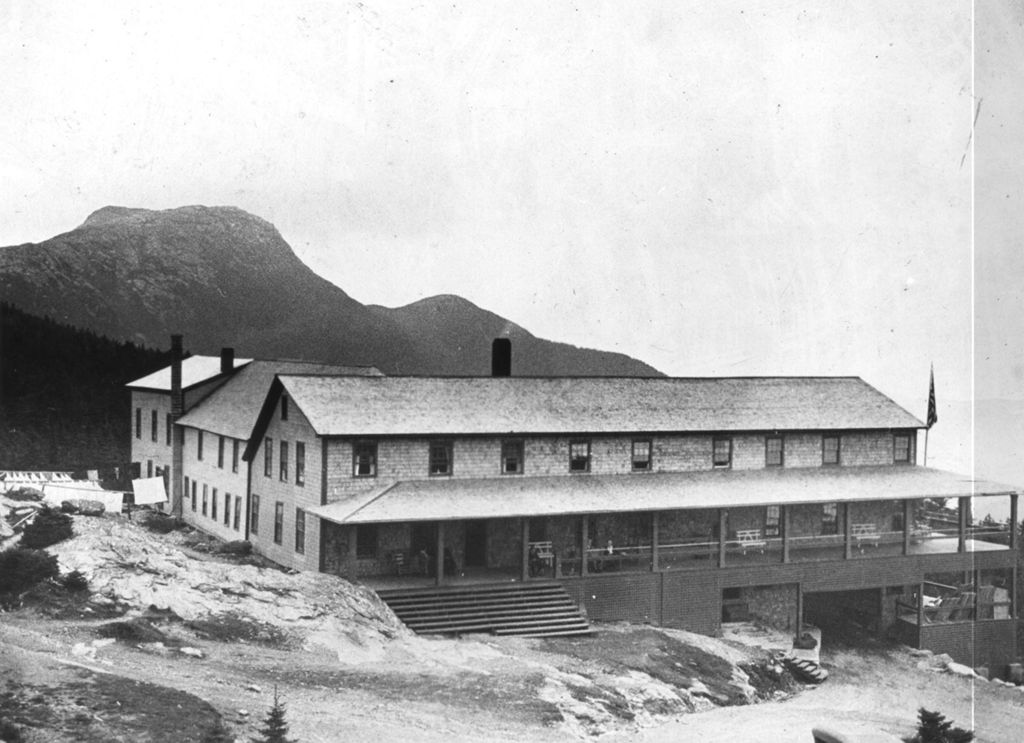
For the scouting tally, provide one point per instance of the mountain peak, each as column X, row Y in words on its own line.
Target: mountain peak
column 224, row 277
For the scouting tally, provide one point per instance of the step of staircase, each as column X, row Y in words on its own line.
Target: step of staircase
column 522, row 609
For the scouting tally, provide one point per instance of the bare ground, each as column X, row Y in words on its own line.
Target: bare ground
column 72, row 669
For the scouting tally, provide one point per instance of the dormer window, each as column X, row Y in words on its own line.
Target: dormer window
column 512, row 457
column 902, row 449
column 830, row 450
column 641, row 456
column 579, row 456
column 721, row 451
column 773, row 451
column 364, row 459
column 440, row 457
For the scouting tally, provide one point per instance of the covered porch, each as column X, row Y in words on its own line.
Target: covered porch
column 518, row 529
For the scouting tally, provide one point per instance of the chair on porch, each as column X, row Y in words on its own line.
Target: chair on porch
column 398, row 562
column 751, row 539
column 866, row 534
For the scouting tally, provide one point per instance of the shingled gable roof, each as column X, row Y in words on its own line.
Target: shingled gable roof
column 194, row 370
column 230, row 410
column 379, row 406
column 509, row 497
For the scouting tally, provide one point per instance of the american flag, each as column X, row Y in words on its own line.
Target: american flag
column 933, row 416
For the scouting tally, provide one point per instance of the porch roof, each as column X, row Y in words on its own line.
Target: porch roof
column 515, row 496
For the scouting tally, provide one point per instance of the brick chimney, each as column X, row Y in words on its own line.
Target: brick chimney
column 227, row 360
column 501, row 357
column 177, row 434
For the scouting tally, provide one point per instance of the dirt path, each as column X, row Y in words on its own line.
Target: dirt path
column 872, row 691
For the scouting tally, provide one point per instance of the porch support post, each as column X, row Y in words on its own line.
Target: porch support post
column 349, row 569
column 799, row 609
column 920, row 611
column 1013, row 595
column 1014, row 527
column 439, row 554
column 525, row 550
column 961, row 545
column 584, row 542
column 654, row 541
column 785, row 532
column 723, row 523
column 847, row 532
column 908, row 515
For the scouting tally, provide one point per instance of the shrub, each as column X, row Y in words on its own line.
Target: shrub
column 218, row 733
column 275, row 729
column 48, row 527
column 933, row 727
column 22, row 568
column 24, row 494
column 75, row 581
column 161, row 523
column 9, row 732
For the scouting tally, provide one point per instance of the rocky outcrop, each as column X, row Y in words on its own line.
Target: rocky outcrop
column 126, row 564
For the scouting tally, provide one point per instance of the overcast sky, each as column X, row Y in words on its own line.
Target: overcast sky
column 717, row 188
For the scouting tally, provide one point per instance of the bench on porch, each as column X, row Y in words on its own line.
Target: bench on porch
column 863, row 533
column 750, row 539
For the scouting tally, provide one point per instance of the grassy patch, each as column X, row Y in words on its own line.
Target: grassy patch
column 100, row 707
column 234, row 628
column 662, row 657
column 511, row 698
column 136, row 630
column 56, row 601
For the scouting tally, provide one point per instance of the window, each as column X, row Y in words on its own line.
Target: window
column 213, row 505
column 830, row 518
column 300, row 463
column 154, row 426
column 268, row 457
column 440, row 457
column 220, row 452
column 830, row 450
column 579, row 456
column 194, row 495
column 364, row 459
column 774, row 451
column 772, row 520
column 234, row 455
column 206, row 499
column 284, row 462
column 284, row 407
column 199, row 445
column 187, row 489
column 227, row 509
column 300, row 531
column 238, row 511
column 901, row 449
column 641, row 455
column 149, row 468
column 169, row 426
column 138, row 423
column 721, row 451
column 278, row 522
column 366, row 540
column 254, row 514
column 512, row 457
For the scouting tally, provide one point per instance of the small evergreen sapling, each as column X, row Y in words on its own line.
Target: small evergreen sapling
column 275, row 729
column 933, row 727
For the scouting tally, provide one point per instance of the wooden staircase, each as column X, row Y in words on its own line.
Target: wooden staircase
column 541, row 609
